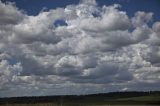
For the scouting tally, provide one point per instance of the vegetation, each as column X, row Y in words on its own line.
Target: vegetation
column 114, row 98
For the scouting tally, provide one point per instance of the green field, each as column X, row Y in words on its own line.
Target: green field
column 116, row 99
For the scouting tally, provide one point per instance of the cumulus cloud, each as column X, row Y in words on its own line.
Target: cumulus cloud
column 9, row 72
column 95, row 51
column 141, row 18
column 110, row 19
column 9, row 14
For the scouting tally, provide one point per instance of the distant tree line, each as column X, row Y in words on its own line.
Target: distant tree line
column 57, row 99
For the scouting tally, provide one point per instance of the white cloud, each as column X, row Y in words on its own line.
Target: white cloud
column 110, row 19
column 91, row 51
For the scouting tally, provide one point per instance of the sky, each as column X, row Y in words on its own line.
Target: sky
column 65, row 47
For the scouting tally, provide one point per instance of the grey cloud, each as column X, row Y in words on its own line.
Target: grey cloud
column 9, row 14
column 88, row 55
column 141, row 33
column 152, row 55
column 156, row 27
column 89, row 2
column 141, row 18
column 8, row 72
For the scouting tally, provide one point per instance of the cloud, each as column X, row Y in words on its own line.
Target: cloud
column 9, row 14
column 89, row 2
column 110, row 19
column 141, row 18
column 98, row 49
column 9, row 72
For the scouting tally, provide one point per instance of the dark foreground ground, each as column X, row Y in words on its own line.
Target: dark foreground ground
column 107, row 99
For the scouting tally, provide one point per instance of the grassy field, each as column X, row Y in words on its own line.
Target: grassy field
column 116, row 99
